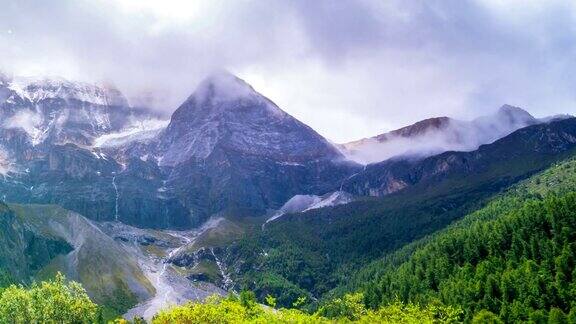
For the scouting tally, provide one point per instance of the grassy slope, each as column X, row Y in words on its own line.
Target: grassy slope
column 110, row 274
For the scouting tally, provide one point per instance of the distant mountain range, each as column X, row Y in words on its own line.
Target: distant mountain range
column 225, row 148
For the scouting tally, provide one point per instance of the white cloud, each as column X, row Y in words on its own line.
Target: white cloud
column 347, row 68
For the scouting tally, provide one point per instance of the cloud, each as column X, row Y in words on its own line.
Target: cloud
column 440, row 135
column 347, row 68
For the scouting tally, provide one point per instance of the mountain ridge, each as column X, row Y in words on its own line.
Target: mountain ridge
column 439, row 134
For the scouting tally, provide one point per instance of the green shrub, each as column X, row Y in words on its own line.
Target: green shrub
column 54, row 301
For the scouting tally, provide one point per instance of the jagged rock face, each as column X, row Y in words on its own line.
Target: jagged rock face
column 226, row 113
column 54, row 111
column 228, row 147
column 537, row 143
column 48, row 153
column 98, row 187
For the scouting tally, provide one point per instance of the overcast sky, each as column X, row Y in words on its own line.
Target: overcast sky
column 349, row 69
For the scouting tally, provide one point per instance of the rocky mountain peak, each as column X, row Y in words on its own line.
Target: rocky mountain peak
column 223, row 96
column 225, row 111
column 514, row 114
column 53, row 110
column 420, row 127
column 440, row 134
column 222, row 86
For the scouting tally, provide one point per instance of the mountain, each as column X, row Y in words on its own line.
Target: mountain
column 397, row 174
column 232, row 192
column 52, row 142
column 512, row 257
column 225, row 113
column 229, row 147
column 410, row 199
column 437, row 135
column 55, row 110
column 225, row 148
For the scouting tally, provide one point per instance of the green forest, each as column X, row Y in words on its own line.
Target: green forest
column 514, row 258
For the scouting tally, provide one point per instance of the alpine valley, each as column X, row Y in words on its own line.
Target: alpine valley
column 231, row 193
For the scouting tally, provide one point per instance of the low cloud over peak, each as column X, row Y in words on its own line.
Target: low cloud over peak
column 436, row 135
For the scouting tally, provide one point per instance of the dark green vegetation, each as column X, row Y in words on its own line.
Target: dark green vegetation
column 511, row 257
column 309, row 254
column 515, row 257
column 23, row 251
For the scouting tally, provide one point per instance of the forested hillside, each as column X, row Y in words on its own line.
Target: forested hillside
column 311, row 253
column 514, row 258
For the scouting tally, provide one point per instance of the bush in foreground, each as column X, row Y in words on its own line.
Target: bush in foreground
column 54, row 301
column 349, row 308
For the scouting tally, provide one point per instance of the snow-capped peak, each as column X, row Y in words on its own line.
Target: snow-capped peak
column 437, row 135
column 516, row 115
column 37, row 89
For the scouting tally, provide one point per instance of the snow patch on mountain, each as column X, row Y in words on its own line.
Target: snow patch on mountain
column 138, row 130
column 303, row 203
column 332, row 199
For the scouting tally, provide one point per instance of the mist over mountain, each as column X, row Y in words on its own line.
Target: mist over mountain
column 437, row 135
column 225, row 112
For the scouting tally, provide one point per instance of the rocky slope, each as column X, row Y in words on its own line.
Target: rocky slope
column 122, row 268
column 39, row 240
column 228, row 147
